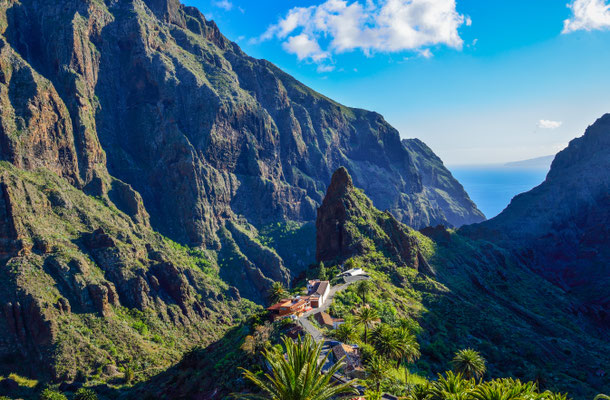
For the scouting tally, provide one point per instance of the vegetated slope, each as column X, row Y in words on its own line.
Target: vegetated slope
column 464, row 293
column 220, row 145
column 88, row 291
column 561, row 229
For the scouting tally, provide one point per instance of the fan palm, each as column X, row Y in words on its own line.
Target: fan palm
column 297, row 375
column 366, row 316
column 469, row 363
column 277, row 292
column 376, row 370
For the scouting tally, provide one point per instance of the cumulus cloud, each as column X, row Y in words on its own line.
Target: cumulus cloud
column 337, row 26
column 224, row 4
column 588, row 15
column 548, row 124
column 304, row 47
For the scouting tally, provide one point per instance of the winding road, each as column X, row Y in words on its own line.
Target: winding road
column 308, row 326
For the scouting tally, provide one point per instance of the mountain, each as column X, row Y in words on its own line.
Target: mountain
column 154, row 177
column 538, row 162
column 463, row 292
column 215, row 142
column 561, row 228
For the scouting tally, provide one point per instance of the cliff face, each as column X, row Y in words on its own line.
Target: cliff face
column 200, row 129
column 561, row 228
column 440, row 189
column 83, row 284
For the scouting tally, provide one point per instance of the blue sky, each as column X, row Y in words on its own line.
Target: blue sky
column 480, row 81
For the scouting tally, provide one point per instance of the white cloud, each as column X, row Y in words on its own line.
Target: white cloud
column 325, row 68
column 304, row 47
column 224, row 4
column 337, row 26
column 547, row 124
column 426, row 53
column 587, row 15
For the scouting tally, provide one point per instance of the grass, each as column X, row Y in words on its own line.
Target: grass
column 21, row 380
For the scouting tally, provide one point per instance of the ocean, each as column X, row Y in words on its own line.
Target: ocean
column 493, row 187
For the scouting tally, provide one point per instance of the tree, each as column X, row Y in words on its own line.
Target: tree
column 85, row 394
column 366, row 316
column 376, row 371
column 409, row 349
column 49, row 394
column 345, row 332
column 469, row 363
column 386, row 343
column 362, row 289
column 451, row 386
column 298, row 375
column 409, row 324
column 420, row 392
column 277, row 292
column 322, row 274
column 254, row 344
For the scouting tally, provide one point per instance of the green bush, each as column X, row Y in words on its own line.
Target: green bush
column 49, row 394
column 85, row 394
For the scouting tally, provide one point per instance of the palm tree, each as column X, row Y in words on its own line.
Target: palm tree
column 420, row 392
column 451, row 386
column 345, row 332
column 469, row 363
column 277, row 292
column 410, row 349
column 362, row 289
column 386, row 343
column 366, row 316
column 297, row 375
column 376, row 370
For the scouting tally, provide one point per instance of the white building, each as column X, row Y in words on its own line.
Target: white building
column 318, row 292
column 353, row 272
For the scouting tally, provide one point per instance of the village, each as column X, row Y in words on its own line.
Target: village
column 314, row 304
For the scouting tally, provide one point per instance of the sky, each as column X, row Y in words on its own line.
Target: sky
column 480, row 81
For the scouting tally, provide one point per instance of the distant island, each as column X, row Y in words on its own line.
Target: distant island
column 538, row 162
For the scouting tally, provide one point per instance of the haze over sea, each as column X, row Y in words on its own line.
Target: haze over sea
column 492, row 187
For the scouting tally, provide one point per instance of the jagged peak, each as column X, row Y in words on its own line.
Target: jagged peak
column 340, row 183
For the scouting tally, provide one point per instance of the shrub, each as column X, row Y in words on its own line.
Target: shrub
column 129, row 375
column 49, row 394
column 85, row 394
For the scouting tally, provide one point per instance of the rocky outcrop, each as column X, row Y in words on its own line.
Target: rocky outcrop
column 348, row 225
column 561, row 229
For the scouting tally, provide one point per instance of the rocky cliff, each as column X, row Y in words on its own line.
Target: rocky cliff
column 561, row 229
column 153, row 94
column 466, row 292
column 440, row 188
column 86, row 287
